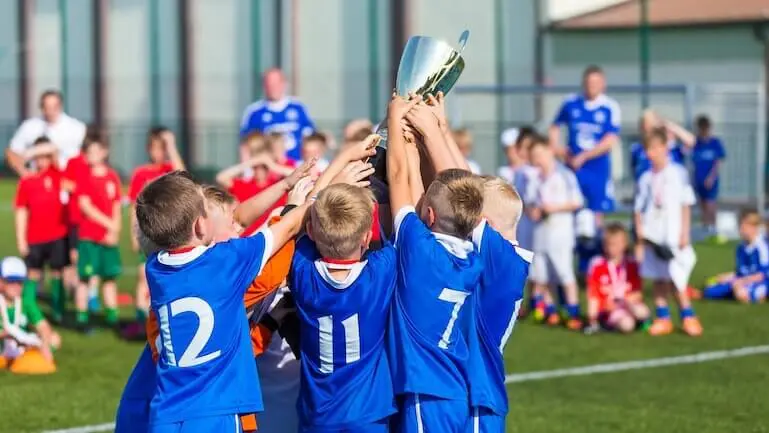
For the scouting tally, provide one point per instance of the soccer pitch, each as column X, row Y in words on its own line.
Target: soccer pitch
column 714, row 392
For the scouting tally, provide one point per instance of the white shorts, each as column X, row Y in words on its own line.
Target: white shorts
column 553, row 267
column 676, row 271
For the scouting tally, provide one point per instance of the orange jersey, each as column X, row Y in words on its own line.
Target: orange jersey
column 608, row 282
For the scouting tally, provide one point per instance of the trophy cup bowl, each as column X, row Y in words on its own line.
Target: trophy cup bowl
column 427, row 66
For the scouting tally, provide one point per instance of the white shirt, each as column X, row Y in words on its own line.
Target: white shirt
column 660, row 200
column 66, row 134
column 520, row 178
column 555, row 231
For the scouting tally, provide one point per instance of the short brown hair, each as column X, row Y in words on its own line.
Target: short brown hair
column 316, row 136
column 659, row 134
column 538, row 140
column 456, row 198
column 218, row 196
column 274, row 138
column 256, row 142
column 155, row 133
column 168, row 207
column 339, row 219
column 501, row 202
column 750, row 216
column 614, row 228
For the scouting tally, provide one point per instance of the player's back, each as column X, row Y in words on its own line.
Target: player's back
column 346, row 378
column 752, row 257
column 495, row 308
column 431, row 319
column 205, row 366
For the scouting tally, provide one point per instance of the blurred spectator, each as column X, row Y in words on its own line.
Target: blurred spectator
column 65, row 132
column 315, row 145
column 276, row 145
column 679, row 142
column 354, row 127
column 707, row 156
column 592, row 120
column 278, row 113
column 464, row 142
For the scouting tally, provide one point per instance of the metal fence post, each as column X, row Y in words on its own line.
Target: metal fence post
column 63, row 44
column 761, row 145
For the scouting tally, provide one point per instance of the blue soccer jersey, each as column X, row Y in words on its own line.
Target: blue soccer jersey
column 639, row 162
column 346, row 380
column 587, row 123
column 206, row 366
column 499, row 296
column 287, row 116
column 706, row 153
column 752, row 258
column 133, row 410
column 431, row 315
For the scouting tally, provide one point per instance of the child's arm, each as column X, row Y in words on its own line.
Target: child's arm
column 250, row 210
column 686, row 219
column 415, row 175
column 226, row 176
column 422, row 118
column 356, row 173
column 172, row 151
column 639, row 235
column 357, row 152
column 90, row 212
column 437, row 103
column 40, row 150
column 397, row 160
column 592, row 311
column 45, row 332
column 682, row 134
column 22, row 219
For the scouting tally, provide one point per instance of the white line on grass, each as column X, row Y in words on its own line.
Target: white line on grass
column 552, row 374
column 637, row 365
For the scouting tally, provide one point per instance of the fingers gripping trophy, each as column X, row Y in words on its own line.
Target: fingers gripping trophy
column 427, row 66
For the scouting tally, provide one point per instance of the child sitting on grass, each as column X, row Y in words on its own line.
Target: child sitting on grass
column 747, row 283
column 614, row 296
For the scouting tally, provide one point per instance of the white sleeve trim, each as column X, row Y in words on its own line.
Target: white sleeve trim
column 269, row 244
column 399, row 217
column 478, row 234
column 525, row 254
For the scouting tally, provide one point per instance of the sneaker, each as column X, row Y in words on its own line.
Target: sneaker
column 539, row 313
column 553, row 320
column 93, row 304
column 692, row 326
column 574, row 324
column 693, row 293
column 661, row 327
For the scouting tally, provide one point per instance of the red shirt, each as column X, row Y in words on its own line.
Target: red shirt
column 104, row 192
column 243, row 189
column 608, row 282
column 40, row 194
column 145, row 174
column 76, row 170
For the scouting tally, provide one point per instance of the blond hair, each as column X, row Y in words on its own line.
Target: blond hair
column 340, row 218
column 501, row 203
column 217, row 196
column 255, row 142
column 457, row 200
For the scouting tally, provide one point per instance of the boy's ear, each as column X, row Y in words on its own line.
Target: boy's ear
column 367, row 240
column 308, row 229
column 430, row 217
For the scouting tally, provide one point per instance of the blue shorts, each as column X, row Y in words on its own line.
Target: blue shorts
column 224, row 424
column 597, row 190
column 757, row 291
column 382, row 426
column 133, row 415
column 427, row 414
column 704, row 193
column 486, row 421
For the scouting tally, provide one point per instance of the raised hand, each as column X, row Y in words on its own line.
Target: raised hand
column 399, row 106
column 363, row 150
column 422, row 118
column 438, row 107
column 298, row 194
column 355, row 173
column 300, row 172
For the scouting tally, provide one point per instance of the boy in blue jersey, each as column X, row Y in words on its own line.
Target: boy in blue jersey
column 205, row 372
column 748, row 282
column 278, row 113
column 497, row 302
column 707, row 157
column 680, row 141
column 438, row 270
column 592, row 120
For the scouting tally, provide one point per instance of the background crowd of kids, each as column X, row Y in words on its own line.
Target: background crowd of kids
column 68, row 223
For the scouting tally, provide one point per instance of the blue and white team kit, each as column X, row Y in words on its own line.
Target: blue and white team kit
column 287, row 116
column 395, row 346
column 750, row 259
column 587, row 123
column 707, row 152
column 639, row 162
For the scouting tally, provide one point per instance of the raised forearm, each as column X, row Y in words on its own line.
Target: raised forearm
column 253, row 208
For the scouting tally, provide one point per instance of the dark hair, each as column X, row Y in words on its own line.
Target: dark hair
column 316, row 136
column 592, row 69
column 658, row 133
column 41, row 140
column 168, row 207
column 524, row 132
column 50, row 92
column 750, row 213
column 703, row 122
column 155, row 133
column 538, row 140
column 614, row 228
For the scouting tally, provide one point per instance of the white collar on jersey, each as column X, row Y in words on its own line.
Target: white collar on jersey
column 592, row 104
column 325, row 268
column 455, row 246
column 755, row 244
column 278, row 105
column 181, row 259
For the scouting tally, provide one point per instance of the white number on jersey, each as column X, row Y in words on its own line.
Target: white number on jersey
column 191, row 355
column 351, row 341
column 458, row 299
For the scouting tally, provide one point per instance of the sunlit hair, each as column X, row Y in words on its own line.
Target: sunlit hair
column 340, row 219
column 457, row 200
column 502, row 204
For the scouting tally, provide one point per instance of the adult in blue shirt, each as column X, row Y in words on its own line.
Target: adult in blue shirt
column 680, row 142
column 278, row 113
column 707, row 156
column 592, row 121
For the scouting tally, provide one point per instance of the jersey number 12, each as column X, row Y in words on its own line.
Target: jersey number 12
column 191, row 355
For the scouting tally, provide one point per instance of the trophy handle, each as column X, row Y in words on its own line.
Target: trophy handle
column 463, row 40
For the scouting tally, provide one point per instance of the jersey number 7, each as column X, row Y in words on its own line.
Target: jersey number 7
column 191, row 355
column 457, row 298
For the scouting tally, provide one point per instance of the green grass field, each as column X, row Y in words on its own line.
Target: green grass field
column 710, row 397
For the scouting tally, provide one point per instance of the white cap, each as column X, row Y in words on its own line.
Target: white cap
column 509, row 137
column 13, row 269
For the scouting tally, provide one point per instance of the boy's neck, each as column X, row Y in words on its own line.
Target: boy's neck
column 615, row 260
column 658, row 166
column 548, row 168
column 340, row 269
column 99, row 169
column 753, row 239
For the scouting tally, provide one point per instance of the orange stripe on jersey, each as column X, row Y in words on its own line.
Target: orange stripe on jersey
column 248, row 423
column 260, row 338
column 153, row 332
